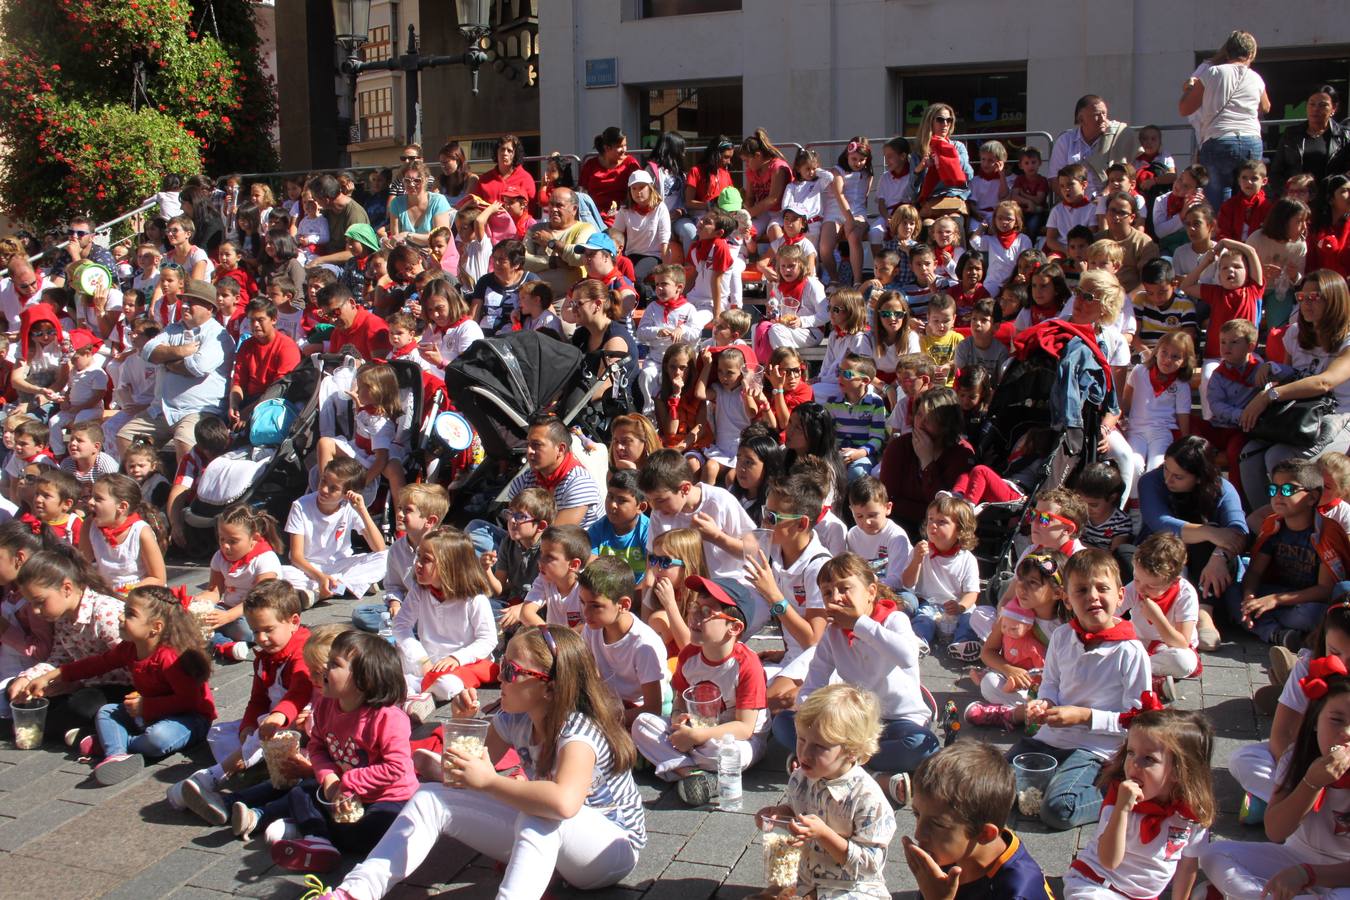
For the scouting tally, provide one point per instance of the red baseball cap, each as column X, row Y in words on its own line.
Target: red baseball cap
column 725, row 591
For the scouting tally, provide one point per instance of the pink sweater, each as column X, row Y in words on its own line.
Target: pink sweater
column 367, row 748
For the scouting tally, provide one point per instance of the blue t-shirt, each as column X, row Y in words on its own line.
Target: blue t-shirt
column 630, row 547
column 1293, row 559
column 1013, row 876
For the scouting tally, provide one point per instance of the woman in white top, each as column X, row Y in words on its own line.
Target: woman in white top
column 1320, row 362
column 1228, row 97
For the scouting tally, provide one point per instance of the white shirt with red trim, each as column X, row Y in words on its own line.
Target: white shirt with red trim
column 712, row 259
column 328, row 536
column 1146, row 868
column 943, row 578
column 558, row 609
column 739, row 677
column 190, row 468
column 374, row 432
column 882, row 657
column 804, row 298
column 1186, row 608
column 887, row 551
column 241, row 581
column 1151, row 412
column 638, row 657
column 798, row 585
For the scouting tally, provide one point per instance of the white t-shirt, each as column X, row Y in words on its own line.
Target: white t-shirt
column 1292, row 696
column 635, row 659
column 1146, row 868
column 1314, row 362
column 729, row 515
column 328, row 538
column 887, row 551
column 1149, row 411
column 240, row 581
column 87, row 384
column 807, row 197
column 943, row 578
column 799, row 587
column 894, row 191
column 1063, row 218
column 558, row 609
column 1232, row 101
column 1322, row 839
column 832, row 532
column 1186, row 608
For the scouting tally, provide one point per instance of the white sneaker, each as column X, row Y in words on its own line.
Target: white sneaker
column 175, row 796
column 205, row 802
column 427, row 765
column 243, row 820
column 420, row 707
column 240, row 651
column 306, row 599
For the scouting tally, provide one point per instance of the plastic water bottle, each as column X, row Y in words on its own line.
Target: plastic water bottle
column 386, row 627
column 728, row 775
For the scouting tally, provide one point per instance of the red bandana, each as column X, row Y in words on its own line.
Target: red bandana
column 881, row 610
column 1240, row 377
column 458, row 322
column 1160, row 382
column 1152, row 813
column 934, row 551
column 1328, row 507
column 1169, row 597
column 789, row 241
column 671, row 305
column 1148, row 702
column 1121, row 631
column 1079, row 203
column 1008, row 238
column 113, row 533
column 1249, row 206
column 406, row 349
column 565, row 466
column 1041, row 314
column 259, row 547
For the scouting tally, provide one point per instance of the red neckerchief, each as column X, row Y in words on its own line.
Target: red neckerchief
column 1067, row 549
column 458, row 322
column 1241, row 377
column 642, row 209
column 1328, row 507
column 1007, row 238
column 1121, row 631
column 400, row 352
column 565, row 466
column 435, row 592
column 113, row 533
column 904, row 168
column 1248, row 205
column 1041, row 314
column 39, row 455
column 1077, row 204
column 1169, row 597
column 259, row 547
column 170, row 315
column 33, row 522
column 671, row 305
column 1160, row 382
column 881, row 610
column 1152, row 813
column 934, row 551
column 789, row 241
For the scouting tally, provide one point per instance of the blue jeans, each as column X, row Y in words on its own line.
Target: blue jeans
column 119, row 733
column 860, row 468
column 1223, row 157
column 926, row 618
column 1072, row 798
column 903, row 744
column 1303, row 617
column 355, row 839
column 369, row 617
column 237, row 630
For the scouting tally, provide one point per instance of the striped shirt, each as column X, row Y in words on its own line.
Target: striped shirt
column 577, row 489
column 861, row 425
column 1102, row 535
column 1154, row 322
column 612, row 794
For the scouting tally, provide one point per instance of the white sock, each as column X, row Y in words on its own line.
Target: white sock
column 214, row 775
column 281, row 830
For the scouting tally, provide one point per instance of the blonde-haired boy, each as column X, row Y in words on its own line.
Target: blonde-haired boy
column 422, row 507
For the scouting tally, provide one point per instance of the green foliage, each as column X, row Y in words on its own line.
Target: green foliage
column 79, row 134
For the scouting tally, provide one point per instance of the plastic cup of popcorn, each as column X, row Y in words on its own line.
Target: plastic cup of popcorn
column 1033, row 771
column 782, row 854
column 199, row 610
column 465, row 736
column 345, row 810
column 703, row 702
column 276, row 750
column 30, row 719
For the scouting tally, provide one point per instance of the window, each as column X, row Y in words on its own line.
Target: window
column 699, row 113
column 375, row 109
column 988, row 101
column 1289, row 82
column 379, row 46
column 653, row 9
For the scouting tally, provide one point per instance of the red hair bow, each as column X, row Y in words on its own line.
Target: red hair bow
column 180, row 593
column 854, row 147
column 1148, row 701
column 1319, row 670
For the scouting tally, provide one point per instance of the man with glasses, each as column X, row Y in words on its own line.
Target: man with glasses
column 80, row 246
column 551, row 247
column 194, row 359
column 22, row 288
column 1137, row 248
column 353, row 325
column 1095, row 141
column 341, row 211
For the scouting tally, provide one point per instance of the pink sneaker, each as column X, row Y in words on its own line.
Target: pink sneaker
column 989, row 715
column 308, row 854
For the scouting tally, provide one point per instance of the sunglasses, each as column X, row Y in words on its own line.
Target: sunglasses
column 75, row 232
column 1120, row 212
column 704, row 613
column 947, row 119
column 512, row 672
column 838, row 309
column 410, row 158
column 1308, row 296
column 657, row 561
column 889, row 314
column 172, row 266
column 1045, row 520
column 772, row 518
column 1089, row 297
column 796, row 370
column 1288, row 489
column 42, row 332
column 850, row 375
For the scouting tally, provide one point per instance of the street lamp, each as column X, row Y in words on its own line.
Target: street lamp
column 351, row 21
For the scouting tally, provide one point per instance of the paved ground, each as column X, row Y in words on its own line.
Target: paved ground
column 62, row 836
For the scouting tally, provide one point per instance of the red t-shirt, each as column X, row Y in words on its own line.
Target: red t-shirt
column 1330, row 249
column 257, row 365
column 1225, row 305
column 368, row 334
column 607, row 187
column 491, row 185
column 165, row 688
column 706, row 188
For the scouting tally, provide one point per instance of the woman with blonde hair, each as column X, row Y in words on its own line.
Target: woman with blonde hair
column 418, row 211
column 941, row 165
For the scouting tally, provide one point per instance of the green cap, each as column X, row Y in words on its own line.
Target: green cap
column 730, row 200
column 364, row 235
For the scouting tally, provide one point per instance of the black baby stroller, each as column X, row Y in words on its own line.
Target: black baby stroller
column 1052, row 393
column 500, row 383
column 265, row 472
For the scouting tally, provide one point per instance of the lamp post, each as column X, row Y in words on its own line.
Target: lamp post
column 351, row 20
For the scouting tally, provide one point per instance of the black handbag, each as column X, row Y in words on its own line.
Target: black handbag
column 1298, row 423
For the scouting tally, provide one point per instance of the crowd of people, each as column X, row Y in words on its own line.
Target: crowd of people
column 806, row 470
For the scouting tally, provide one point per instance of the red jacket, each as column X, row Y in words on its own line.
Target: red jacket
column 165, row 689
column 286, row 666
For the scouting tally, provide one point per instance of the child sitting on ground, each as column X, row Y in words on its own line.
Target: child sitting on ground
column 630, row 656
column 512, row 570
column 212, row 437
column 421, row 508
column 685, row 748
column 678, row 501
column 319, row 529
column 942, row 580
column 876, row 537
column 962, row 848
column 1164, row 608
column 555, row 596
column 833, row 804
column 623, row 532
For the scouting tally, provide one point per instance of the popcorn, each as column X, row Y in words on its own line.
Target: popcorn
column 280, row 747
column 348, row 809
column 1029, row 801
column 199, row 609
column 27, row 737
column 782, row 856
column 465, row 745
column 702, row 721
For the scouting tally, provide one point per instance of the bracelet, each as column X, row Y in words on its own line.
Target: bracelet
column 779, row 391
column 1312, row 874
column 1305, row 780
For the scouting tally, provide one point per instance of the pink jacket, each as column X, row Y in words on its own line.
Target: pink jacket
column 367, row 748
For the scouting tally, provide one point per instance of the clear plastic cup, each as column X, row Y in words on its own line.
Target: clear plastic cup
column 345, row 810
column 703, row 702
column 199, row 609
column 782, row 855
column 30, row 721
column 468, row 737
column 276, row 750
column 1033, row 771
column 759, row 539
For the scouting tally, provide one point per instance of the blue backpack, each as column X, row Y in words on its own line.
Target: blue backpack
column 272, row 420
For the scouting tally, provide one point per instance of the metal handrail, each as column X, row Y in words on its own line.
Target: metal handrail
column 986, row 136
column 1190, row 153
column 102, row 229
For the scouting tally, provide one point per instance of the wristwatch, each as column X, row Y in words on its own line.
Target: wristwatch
column 778, row 608
column 1273, row 393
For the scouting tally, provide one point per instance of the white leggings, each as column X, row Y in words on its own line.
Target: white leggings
column 588, row 850
column 1253, row 767
column 652, row 735
column 1240, row 869
column 1179, row 662
column 993, row 688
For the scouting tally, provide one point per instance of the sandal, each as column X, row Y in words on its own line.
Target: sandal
column 898, row 788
